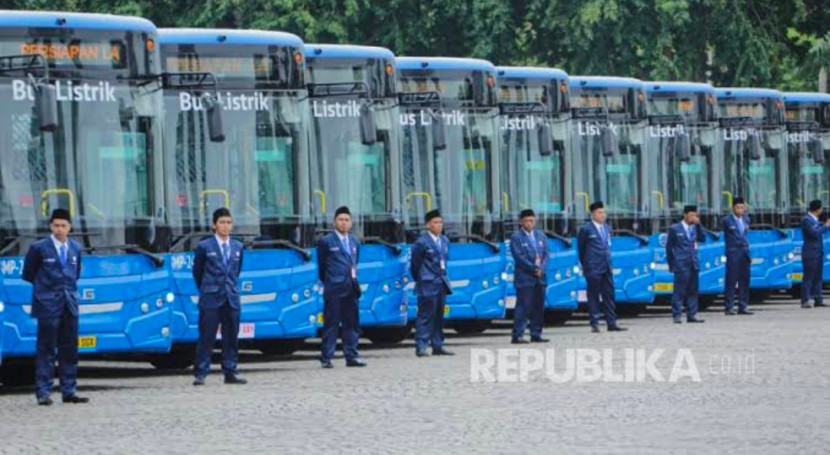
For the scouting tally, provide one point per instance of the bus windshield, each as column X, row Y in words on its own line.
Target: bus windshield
column 462, row 179
column 258, row 172
column 808, row 179
column 100, row 163
column 533, row 181
column 345, row 171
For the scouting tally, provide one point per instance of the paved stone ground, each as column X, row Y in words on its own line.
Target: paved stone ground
column 402, row 404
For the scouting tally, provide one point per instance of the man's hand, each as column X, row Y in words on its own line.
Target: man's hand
column 539, row 273
column 827, row 223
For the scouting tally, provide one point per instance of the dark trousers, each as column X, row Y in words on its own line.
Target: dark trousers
column 601, row 287
column 685, row 293
column 811, row 281
column 340, row 313
column 209, row 321
column 530, row 305
column 429, row 326
column 737, row 280
column 57, row 335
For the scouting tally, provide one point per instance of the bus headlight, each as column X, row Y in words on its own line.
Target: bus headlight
column 496, row 280
column 312, row 319
column 295, row 297
column 170, row 297
column 307, row 293
column 386, row 288
column 653, row 266
column 165, row 332
column 723, row 259
column 645, row 269
column 145, row 307
column 2, row 307
column 504, row 276
column 791, row 256
column 636, row 272
column 558, row 276
column 398, row 284
column 568, row 273
column 577, row 270
column 485, row 284
column 708, row 266
column 159, row 302
column 775, row 261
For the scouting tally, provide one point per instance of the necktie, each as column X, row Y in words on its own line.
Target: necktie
column 533, row 244
column 689, row 233
column 438, row 243
column 226, row 256
column 63, row 255
column 346, row 245
column 740, row 225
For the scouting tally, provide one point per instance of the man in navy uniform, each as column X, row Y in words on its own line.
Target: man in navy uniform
column 529, row 248
column 812, row 255
column 429, row 270
column 681, row 255
column 594, row 241
column 216, row 267
column 337, row 258
column 53, row 266
column 735, row 227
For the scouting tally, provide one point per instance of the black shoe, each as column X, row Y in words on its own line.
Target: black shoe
column 539, row 340
column 745, row 312
column 616, row 328
column 806, row 305
column 678, row 321
column 518, row 341
column 421, row 353
column 694, row 320
column 730, row 313
column 355, row 363
column 821, row 304
column 326, row 364
column 441, row 351
column 75, row 399
column 44, row 401
column 594, row 329
column 199, row 381
column 235, row 379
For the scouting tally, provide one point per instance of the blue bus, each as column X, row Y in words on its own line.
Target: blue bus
column 99, row 158
column 535, row 111
column 684, row 149
column 608, row 162
column 808, row 145
column 356, row 161
column 451, row 145
column 259, row 171
column 754, row 164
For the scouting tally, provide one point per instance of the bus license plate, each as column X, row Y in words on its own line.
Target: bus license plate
column 87, row 342
column 663, row 287
column 446, row 310
column 510, row 302
column 798, row 276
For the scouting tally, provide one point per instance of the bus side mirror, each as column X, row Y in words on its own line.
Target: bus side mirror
column 817, row 150
column 610, row 147
column 46, row 106
column 439, row 132
column 683, row 147
column 754, row 144
column 216, row 127
column 368, row 127
column 545, row 139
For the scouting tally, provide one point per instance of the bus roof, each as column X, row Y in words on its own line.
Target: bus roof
column 347, row 51
column 226, row 36
column 667, row 86
column 806, row 97
column 605, row 82
column 57, row 19
column 530, row 72
column 732, row 92
column 444, row 63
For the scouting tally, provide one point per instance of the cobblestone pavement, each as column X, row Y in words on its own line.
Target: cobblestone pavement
column 763, row 388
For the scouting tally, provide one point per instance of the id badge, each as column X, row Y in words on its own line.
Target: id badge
column 538, row 261
column 695, row 245
column 443, row 265
column 354, row 273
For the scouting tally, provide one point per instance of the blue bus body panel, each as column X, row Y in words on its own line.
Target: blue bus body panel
column 89, row 21
column 806, row 97
column 2, row 316
column 469, row 267
column 731, row 92
column 604, row 82
column 278, row 296
column 380, row 274
column 228, row 37
column 691, row 87
column 772, row 266
column 712, row 274
column 113, row 291
column 347, row 51
column 561, row 292
column 530, row 72
column 633, row 278
column 444, row 63
column 798, row 267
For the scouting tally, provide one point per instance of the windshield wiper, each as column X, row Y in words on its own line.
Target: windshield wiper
column 712, row 234
column 283, row 243
column 477, row 238
column 554, row 235
column 16, row 239
column 179, row 241
column 157, row 260
column 770, row 227
column 643, row 239
column 395, row 248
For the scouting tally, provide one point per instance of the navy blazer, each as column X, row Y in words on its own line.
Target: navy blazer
column 813, row 233
column 594, row 253
column 335, row 266
column 55, row 287
column 430, row 279
column 681, row 254
column 217, row 282
column 524, row 258
column 736, row 242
